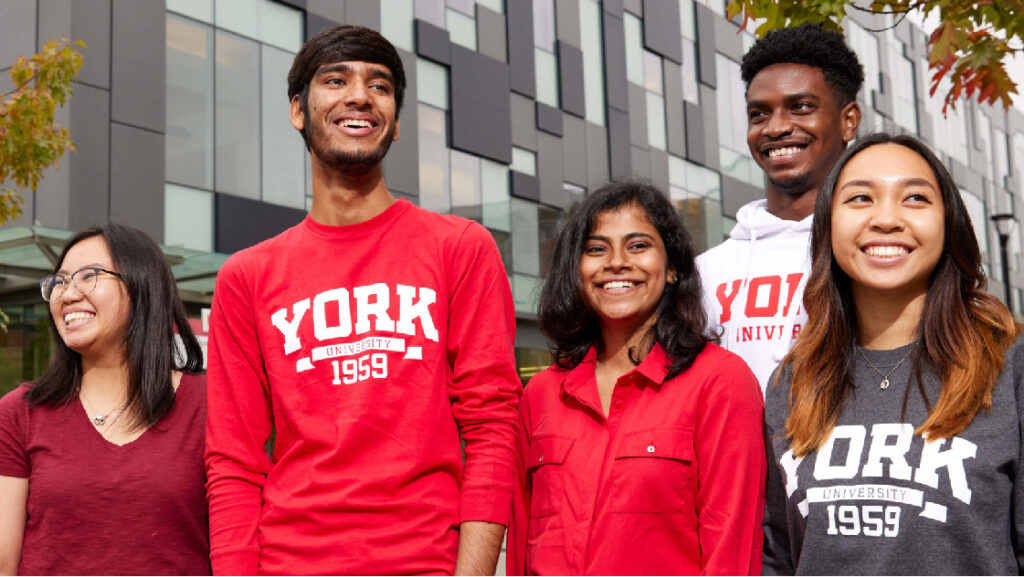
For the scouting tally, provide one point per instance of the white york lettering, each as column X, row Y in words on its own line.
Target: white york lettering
column 344, row 326
column 410, row 311
column 290, row 329
column 895, row 453
column 952, row 459
column 790, row 465
column 378, row 308
column 823, row 467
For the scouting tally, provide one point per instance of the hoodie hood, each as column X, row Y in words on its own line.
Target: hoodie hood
column 753, row 221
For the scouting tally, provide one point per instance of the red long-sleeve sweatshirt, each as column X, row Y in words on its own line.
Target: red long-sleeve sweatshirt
column 671, row 482
column 367, row 349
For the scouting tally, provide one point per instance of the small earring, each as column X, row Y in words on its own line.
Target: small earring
column 673, row 278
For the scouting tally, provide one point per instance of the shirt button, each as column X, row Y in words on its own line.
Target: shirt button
column 650, row 448
column 541, row 459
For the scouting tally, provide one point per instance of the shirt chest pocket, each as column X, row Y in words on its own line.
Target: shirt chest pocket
column 544, row 461
column 654, row 472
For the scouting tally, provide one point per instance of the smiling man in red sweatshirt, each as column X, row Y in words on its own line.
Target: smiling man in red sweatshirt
column 369, row 339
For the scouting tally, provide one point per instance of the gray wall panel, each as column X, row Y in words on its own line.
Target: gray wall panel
column 675, row 121
column 138, row 80
column 613, row 7
column 659, row 169
column 362, row 13
column 705, row 45
column 19, row 31
column 548, row 119
column 637, row 115
column 597, row 155
column 640, row 163
column 520, row 48
column 574, row 150
column 316, row 24
column 242, row 222
column 329, row 9
column 635, row 7
column 549, row 170
column 525, row 186
column 52, row 197
column 727, row 41
column 661, row 29
column 137, row 178
column 619, row 157
column 567, row 21
column 90, row 165
column 524, row 121
column 433, row 42
column 401, row 166
column 490, row 33
column 736, row 193
column 570, row 76
column 702, row 130
column 480, row 113
column 91, row 24
column 615, row 63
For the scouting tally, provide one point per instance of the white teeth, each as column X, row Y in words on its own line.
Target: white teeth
column 353, row 123
column 74, row 317
column 886, row 251
column 619, row 284
column 783, row 151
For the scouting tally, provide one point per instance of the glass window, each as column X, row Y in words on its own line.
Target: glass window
column 903, row 84
column 284, row 162
column 189, row 137
column 198, row 9
column 461, row 29
column 546, row 65
column 281, row 26
column 687, row 23
column 548, row 220
column 237, row 116
column 656, row 120
column 652, row 73
column 188, row 217
column 495, row 195
column 496, row 5
column 524, row 161
column 865, row 44
column 1000, row 155
column 734, row 154
column 691, row 92
column 431, row 11
column 701, row 216
column 532, row 361
column 525, row 292
column 694, row 178
column 504, row 242
column 1018, row 161
column 467, row 7
column 434, row 168
column 544, row 24
column 982, row 138
column 950, row 130
column 575, row 193
column 465, row 182
column 432, row 83
column 525, row 237
column 634, row 48
column 241, row 16
column 593, row 60
column 979, row 220
column 396, row 23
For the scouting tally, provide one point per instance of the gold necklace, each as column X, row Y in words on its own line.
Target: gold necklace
column 885, row 376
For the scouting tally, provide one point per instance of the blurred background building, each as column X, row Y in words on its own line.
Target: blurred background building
column 514, row 110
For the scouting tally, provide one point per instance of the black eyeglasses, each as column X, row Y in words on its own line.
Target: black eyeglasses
column 83, row 282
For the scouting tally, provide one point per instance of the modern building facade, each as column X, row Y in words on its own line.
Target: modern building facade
column 514, row 110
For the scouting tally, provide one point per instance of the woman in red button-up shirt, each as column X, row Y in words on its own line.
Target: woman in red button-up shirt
column 641, row 450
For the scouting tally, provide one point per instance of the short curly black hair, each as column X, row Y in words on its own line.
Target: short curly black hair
column 812, row 45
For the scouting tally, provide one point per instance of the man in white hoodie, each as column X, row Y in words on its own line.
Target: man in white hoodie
column 802, row 110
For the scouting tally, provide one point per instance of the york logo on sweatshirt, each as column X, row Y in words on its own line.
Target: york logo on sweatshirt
column 764, row 298
column 870, row 506
column 340, row 316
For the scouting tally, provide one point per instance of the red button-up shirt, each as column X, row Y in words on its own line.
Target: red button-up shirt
column 670, row 482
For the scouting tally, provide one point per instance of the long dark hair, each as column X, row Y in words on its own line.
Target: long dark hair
column 155, row 311
column 963, row 332
column 569, row 322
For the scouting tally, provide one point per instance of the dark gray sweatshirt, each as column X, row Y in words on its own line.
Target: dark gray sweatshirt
column 876, row 499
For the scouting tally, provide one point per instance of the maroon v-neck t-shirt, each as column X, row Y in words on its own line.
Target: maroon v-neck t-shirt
column 97, row 508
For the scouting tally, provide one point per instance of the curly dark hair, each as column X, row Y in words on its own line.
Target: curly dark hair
column 569, row 322
column 340, row 44
column 812, row 45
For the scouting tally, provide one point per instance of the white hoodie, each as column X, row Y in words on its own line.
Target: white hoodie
column 754, row 285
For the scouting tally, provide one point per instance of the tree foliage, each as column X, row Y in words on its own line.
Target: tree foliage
column 30, row 141
column 969, row 45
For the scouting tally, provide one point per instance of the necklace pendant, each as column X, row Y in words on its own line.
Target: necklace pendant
column 884, row 384
column 100, row 419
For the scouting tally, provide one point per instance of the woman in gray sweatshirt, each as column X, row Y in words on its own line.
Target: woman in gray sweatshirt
column 894, row 426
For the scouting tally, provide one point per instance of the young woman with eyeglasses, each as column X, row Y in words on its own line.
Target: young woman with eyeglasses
column 101, row 459
column 895, row 424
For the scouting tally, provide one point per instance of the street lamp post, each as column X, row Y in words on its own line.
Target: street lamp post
column 1005, row 223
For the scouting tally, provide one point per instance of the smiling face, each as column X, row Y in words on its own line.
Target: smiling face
column 796, row 129
column 624, row 268
column 350, row 115
column 93, row 325
column 888, row 221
